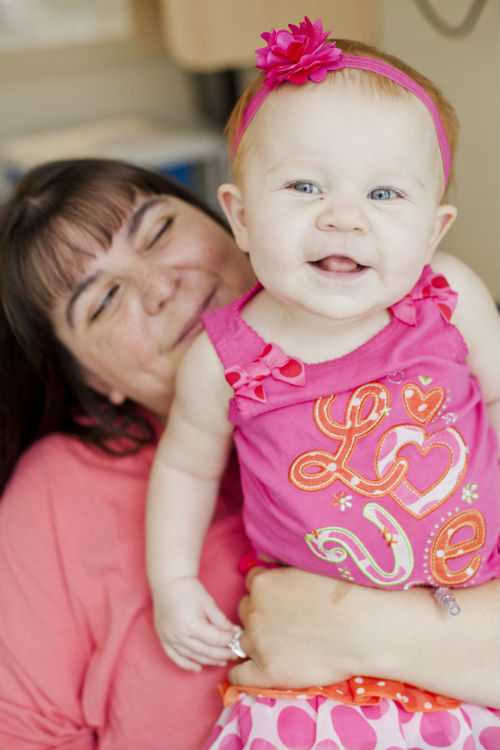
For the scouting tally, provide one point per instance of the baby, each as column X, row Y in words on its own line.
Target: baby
column 356, row 379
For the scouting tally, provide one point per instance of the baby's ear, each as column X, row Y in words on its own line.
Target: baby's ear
column 445, row 217
column 231, row 201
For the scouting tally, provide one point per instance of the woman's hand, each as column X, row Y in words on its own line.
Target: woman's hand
column 291, row 620
column 302, row 629
column 192, row 629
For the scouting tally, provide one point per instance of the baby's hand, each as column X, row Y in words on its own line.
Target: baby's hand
column 191, row 627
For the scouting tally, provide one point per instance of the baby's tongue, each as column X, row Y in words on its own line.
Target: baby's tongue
column 338, row 264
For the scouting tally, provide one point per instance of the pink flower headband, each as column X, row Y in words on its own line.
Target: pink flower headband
column 305, row 53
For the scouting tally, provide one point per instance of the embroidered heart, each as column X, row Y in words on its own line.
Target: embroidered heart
column 425, row 379
column 441, row 481
column 422, row 406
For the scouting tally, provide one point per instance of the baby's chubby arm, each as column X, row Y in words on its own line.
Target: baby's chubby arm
column 477, row 318
column 183, row 489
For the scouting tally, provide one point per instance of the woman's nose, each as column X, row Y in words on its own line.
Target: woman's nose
column 157, row 289
column 343, row 216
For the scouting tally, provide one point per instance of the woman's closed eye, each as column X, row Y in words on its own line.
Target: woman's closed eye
column 105, row 302
column 163, row 228
column 305, row 187
column 385, row 194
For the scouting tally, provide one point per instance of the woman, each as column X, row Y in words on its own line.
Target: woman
column 105, row 271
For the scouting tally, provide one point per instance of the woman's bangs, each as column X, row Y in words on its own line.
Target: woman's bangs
column 70, row 239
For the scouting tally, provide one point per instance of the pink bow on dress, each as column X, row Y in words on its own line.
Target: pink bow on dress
column 435, row 286
column 271, row 361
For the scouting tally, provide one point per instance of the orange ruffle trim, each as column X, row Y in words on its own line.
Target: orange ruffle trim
column 356, row 691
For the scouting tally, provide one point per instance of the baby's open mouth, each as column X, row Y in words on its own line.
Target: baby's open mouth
column 338, row 264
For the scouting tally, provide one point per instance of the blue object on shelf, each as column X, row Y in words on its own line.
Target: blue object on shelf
column 184, row 173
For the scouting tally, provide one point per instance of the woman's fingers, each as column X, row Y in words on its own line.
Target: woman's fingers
column 248, row 673
column 253, row 573
column 245, row 643
column 244, row 609
column 290, row 633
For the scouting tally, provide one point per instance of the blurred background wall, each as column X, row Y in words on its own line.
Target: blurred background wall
column 67, row 85
column 468, row 71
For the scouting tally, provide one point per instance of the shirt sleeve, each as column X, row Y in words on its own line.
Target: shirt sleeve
column 44, row 645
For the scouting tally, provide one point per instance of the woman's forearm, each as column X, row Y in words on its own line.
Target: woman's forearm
column 414, row 641
column 302, row 629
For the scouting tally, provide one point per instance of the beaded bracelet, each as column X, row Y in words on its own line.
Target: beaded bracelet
column 445, row 599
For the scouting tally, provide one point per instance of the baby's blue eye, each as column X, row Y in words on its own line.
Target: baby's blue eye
column 383, row 194
column 301, row 186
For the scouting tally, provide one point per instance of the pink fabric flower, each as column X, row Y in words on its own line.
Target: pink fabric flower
column 296, row 56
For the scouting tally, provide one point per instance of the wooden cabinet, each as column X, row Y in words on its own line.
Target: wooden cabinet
column 206, row 36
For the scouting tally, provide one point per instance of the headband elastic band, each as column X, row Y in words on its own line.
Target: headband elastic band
column 316, row 64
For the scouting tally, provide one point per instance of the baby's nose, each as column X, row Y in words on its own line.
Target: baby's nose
column 343, row 216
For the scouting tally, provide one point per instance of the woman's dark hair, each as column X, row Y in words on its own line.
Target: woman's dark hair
column 56, row 211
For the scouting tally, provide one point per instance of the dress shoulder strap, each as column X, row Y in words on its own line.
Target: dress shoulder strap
column 430, row 286
column 231, row 338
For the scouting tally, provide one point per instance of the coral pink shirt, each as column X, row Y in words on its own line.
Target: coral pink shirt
column 379, row 467
column 80, row 665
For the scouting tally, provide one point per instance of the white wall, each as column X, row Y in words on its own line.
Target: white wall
column 60, row 87
column 468, row 71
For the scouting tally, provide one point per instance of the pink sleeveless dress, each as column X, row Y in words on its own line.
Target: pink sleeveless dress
column 381, row 468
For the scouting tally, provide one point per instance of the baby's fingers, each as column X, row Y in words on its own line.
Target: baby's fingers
column 214, row 636
column 182, row 661
column 217, row 617
column 218, row 653
column 203, row 655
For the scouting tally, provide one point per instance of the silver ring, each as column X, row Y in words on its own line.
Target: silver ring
column 235, row 645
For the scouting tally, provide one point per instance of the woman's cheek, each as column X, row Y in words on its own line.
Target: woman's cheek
column 119, row 346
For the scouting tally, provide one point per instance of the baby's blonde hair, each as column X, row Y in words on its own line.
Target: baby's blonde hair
column 374, row 81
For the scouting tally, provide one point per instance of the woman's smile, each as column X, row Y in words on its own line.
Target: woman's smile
column 194, row 325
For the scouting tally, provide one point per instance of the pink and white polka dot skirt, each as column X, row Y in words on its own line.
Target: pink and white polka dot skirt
column 319, row 723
